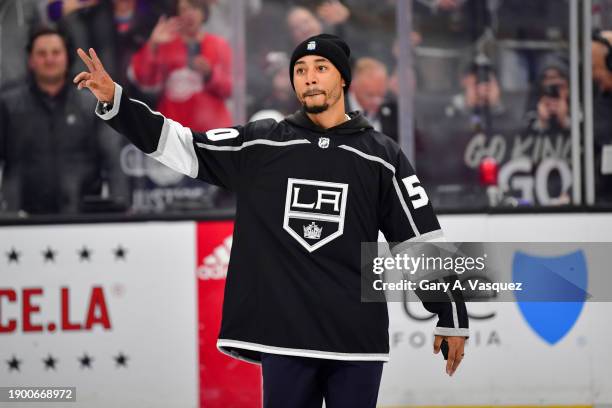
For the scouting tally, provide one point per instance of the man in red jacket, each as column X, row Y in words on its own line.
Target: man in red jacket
column 188, row 66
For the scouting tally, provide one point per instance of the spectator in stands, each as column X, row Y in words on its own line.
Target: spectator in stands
column 53, row 151
column 117, row 28
column 17, row 17
column 480, row 102
column 368, row 24
column 551, row 113
column 601, row 50
column 190, row 67
column 310, row 18
column 302, row 24
column 280, row 96
column 463, row 131
column 368, row 94
column 548, row 133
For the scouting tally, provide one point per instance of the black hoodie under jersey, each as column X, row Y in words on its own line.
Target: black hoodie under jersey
column 307, row 197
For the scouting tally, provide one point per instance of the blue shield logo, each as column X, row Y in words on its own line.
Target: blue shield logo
column 554, row 292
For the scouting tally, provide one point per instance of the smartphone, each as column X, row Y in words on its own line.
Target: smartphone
column 444, row 348
column 193, row 50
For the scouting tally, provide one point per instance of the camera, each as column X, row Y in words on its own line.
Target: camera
column 483, row 74
column 552, row 91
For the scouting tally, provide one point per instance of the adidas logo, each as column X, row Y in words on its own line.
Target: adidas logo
column 214, row 266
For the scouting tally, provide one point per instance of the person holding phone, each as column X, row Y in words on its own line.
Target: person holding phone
column 189, row 68
column 551, row 114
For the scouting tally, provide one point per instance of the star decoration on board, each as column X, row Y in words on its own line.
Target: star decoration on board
column 50, row 362
column 13, row 363
column 121, row 360
column 49, row 255
column 84, row 254
column 13, row 255
column 120, row 253
column 86, row 361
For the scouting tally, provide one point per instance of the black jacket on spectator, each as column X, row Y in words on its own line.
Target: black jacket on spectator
column 54, row 150
column 602, row 123
column 387, row 116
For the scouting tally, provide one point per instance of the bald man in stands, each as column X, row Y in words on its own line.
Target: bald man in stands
column 369, row 94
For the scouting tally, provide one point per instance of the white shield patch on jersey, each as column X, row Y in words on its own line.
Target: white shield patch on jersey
column 324, row 142
column 314, row 211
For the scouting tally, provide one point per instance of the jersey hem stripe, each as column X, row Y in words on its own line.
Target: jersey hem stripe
column 262, row 348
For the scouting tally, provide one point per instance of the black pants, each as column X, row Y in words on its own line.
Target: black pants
column 301, row 382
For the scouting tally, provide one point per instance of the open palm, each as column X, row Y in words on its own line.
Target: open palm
column 97, row 79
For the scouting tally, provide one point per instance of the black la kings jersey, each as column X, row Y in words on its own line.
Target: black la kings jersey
column 306, row 199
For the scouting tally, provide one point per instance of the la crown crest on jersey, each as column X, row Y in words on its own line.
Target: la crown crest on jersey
column 314, row 211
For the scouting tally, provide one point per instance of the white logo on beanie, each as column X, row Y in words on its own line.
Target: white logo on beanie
column 311, row 45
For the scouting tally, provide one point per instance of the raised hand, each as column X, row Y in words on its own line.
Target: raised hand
column 165, row 30
column 97, row 79
column 333, row 12
column 70, row 6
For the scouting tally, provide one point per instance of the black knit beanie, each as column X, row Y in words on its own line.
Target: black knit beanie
column 328, row 46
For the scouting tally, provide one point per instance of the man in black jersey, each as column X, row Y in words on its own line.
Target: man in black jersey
column 310, row 189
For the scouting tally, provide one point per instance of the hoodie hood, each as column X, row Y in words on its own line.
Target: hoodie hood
column 358, row 123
